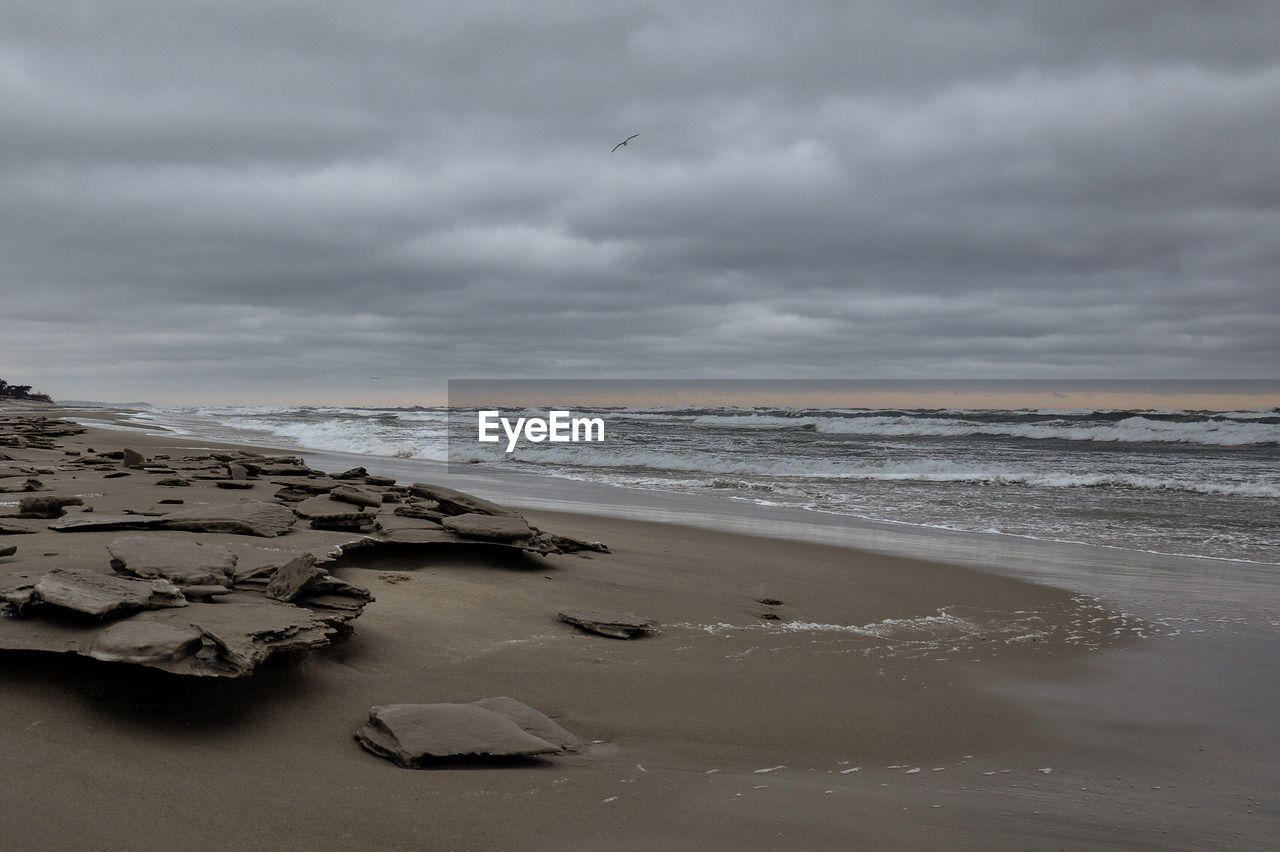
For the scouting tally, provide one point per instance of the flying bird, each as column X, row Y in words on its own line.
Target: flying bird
column 624, row 142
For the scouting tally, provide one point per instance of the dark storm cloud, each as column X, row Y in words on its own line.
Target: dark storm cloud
column 282, row 199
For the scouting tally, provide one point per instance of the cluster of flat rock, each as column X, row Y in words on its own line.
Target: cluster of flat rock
column 34, row 432
column 181, row 588
column 205, row 589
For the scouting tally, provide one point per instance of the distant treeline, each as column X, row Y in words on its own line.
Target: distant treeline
column 8, row 391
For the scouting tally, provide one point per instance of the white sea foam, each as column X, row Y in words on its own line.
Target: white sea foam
column 1216, row 432
column 763, row 470
column 1177, row 482
column 408, row 433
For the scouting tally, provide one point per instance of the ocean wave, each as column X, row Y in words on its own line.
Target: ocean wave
column 396, row 433
column 1130, row 429
column 760, row 473
column 359, row 438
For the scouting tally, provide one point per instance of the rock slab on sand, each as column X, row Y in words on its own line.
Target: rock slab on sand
column 102, row 595
column 356, row 496
column 500, row 528
column 252, row 517
column 145, row 642
column 453, row 502
column 416, row 735
column 626, row 626
column 182, row 561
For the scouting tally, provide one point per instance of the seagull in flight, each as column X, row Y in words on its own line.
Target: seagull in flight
column 624, row 142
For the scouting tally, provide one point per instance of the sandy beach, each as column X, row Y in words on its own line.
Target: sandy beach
column 795, row 696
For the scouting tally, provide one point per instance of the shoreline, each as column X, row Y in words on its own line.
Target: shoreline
column 1186, row 588
column 895, row 701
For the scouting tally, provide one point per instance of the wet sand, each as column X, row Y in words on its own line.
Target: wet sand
column 888, row 703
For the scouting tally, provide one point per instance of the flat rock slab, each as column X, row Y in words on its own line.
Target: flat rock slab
column 251, row 517
column 415, row 511
column 325, row 508
column 453, row 502
column 145, row 642
column 236, row 635
column 430, row 536
column 48, row 506
column 317, row 485
column 506, row 529
column 295, row 576
column 531, row 721
column 625, row 626
column 107, row 523
column 247, row 629
column 182, row 561
column 102, row 595
column 8, row 549
column 417, row 735
column 356, row 496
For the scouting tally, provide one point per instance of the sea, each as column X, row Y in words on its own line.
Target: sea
column 1176, row 493
column 1178, row 482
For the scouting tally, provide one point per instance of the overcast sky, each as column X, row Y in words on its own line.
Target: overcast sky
column 256, row 200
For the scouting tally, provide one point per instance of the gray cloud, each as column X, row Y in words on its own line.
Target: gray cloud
column 279, row 200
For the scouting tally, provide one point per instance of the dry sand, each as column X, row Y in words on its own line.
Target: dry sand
column 890, row 704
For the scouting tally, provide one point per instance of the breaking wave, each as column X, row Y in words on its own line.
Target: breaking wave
column 1215, row 431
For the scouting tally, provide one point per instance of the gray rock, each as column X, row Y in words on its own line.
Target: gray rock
column 291, row 495
column 319, row 485
column 135, row 640
column 102, row 523
column 13, row 529
column 183, row 561
column 238, row 633
column 48, row 506
column 614, row 626
column 204, row 593
column 286, row 469
column 295, row 576
column 322, row 506
column 416, row 511
column 355, row 522
column 506, row 529
column 415, row 735
column 252, row 517
column 531, row 721
column 329, row 514
column 8, row 550
column 456, row 502
column 234, row 484
column 246, row 630
column 566, row 544
column 102, row 595
column 16, row 600
column 356, row 496
column 132, row 458
column 26, row 487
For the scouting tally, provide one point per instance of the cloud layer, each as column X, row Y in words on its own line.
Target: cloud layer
column 251, row 201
